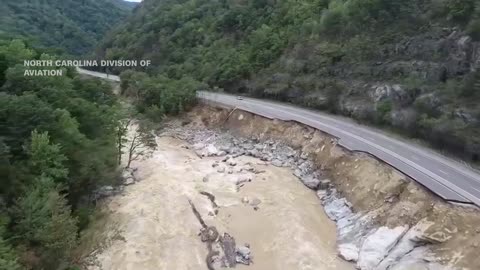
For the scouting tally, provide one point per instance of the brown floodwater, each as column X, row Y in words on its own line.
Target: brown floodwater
column 288, row 231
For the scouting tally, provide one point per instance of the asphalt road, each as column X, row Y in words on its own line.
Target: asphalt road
column 451, row 180
column 98, row 74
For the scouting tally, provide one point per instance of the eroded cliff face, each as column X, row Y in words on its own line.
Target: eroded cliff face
column 383, row 218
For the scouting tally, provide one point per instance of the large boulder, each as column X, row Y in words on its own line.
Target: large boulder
column 394, row 93
column 378, row 245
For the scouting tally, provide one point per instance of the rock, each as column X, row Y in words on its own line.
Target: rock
column 255, row 202
column 232, row 162
column 321, row 194
column 395, row 93
column 243, row 255
column 324, row 184
column 277, row 163
column 245, row 200
column 433, row 238
column 254, row 153
column 337, row 209
column 310, row 182
column 416, row 260
column 249, row 168
column 377, row 246
column 405, row 245
column 199, row 153
column 248, row 146
column 198, row 146
column 211, row 150
column 243, row 179
column 221, row 153
column 348, row 252
column 297, row 173
column 128, row 177
column 221, row 170
column 465, row 116
column 205, row 179
column 129, row 181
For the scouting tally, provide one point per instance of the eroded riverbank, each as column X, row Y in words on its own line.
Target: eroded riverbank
column 260, row 205
column 252, row 166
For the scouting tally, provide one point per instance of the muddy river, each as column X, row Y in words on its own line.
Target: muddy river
column 278, row 217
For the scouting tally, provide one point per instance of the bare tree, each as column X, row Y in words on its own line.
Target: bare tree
column 122, row 130
column 141, row 143
column 134, row 138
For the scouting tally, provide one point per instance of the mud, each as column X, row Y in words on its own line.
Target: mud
column 281, row 220
column 374, row 191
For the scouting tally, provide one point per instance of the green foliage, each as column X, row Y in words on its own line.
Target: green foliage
column 383, row 112
column 46, row 158
column 43, row 219
column 156, row 96
column 8, row 258
column 320, row 53
column 471, row 87
column 58, row 143
column 459, row 10
column 75, row 26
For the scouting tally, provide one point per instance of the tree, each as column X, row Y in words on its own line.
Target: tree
column 140, row 143
column 122, row 132
column 46, row 159
column 57, row 144
column 43, row 218
column 8, row 258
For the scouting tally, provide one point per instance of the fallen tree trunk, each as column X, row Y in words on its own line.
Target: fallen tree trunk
column 228, row 245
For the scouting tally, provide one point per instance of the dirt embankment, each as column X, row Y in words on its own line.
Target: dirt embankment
column 428, row 230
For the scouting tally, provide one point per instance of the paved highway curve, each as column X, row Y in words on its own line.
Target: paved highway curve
column 448, row 179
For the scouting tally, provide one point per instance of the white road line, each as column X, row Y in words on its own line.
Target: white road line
column 443, row 172
column 447, row 184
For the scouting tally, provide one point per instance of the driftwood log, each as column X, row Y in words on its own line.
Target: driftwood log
column 209, row 235
column 228, row 245
column 211, row 197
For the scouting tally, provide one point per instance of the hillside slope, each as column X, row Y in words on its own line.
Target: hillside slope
column 74, row 26
column 410, row 65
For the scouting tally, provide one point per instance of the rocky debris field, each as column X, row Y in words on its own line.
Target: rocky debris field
column 359, row 239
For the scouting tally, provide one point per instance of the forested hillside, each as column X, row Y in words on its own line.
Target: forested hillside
column 407, row 64
column 72, row 25
column 58, row 142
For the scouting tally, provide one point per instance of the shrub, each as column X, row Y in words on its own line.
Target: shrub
column 383, row 110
